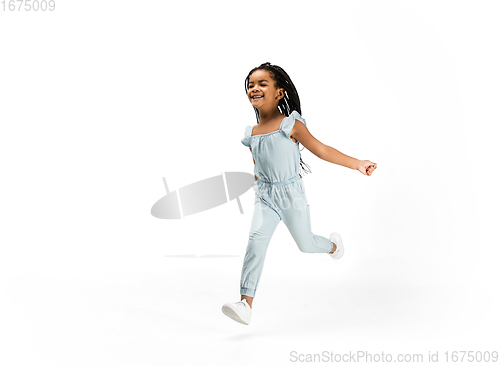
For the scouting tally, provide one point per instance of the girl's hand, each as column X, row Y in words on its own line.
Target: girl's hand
column 366, row 167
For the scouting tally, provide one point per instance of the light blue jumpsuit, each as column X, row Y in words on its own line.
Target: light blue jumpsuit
column 280, row 195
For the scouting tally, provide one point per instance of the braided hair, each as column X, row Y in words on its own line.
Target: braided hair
column 288, row 103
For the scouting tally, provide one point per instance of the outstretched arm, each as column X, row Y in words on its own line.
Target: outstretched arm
column 301, row 133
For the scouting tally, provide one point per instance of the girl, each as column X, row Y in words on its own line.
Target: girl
column 279, row 189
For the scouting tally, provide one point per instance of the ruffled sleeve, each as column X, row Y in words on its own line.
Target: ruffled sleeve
column 246, row 138
column 289, row 122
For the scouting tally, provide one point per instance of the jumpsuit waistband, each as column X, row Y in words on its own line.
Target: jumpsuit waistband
column 283, row 182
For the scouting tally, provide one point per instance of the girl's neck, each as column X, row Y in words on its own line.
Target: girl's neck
column 269, row 116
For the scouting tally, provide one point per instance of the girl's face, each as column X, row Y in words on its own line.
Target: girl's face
column 262, row 91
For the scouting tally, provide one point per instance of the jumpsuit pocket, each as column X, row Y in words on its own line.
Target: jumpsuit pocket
column 302, row 190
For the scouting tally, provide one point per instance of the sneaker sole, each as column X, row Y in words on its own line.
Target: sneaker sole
column 337, row 239
column 230, row 313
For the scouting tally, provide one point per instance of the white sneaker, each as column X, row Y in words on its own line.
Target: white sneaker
column 239, row 311
column 339, row 252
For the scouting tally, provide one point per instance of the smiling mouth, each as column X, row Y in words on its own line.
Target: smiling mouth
column 257, row 97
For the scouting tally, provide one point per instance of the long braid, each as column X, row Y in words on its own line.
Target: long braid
column 288, row 103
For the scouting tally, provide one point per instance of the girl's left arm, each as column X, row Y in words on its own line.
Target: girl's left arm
column 301, row 133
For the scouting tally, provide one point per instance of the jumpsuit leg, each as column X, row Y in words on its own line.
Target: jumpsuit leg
column 294, row 211
column 264, row 222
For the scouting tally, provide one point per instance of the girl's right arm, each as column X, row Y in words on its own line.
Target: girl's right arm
column 253, row 163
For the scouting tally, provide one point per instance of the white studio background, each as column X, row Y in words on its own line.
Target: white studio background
column 100, row 100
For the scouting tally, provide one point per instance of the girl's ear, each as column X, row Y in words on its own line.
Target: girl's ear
column 281, row 93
